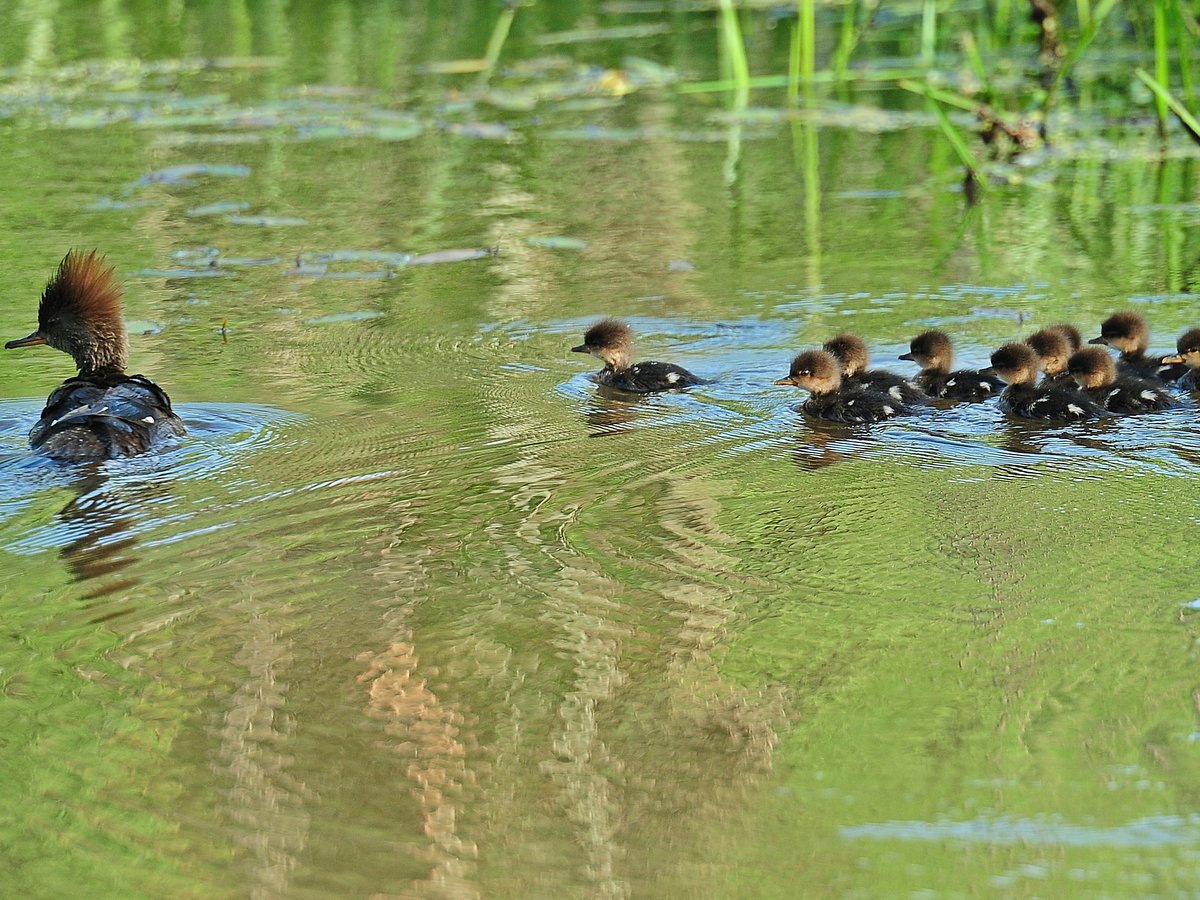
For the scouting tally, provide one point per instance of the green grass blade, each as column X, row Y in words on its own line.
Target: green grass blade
column 1162, row 94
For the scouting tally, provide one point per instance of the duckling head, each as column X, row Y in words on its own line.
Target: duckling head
column 1188, row 346
column 1071, row 333
column 1092, row 368
column 817, row 371
column 1126, row 331
column 80, row 314
column 1015, row 363
column 851, row 351
column 609, row 340
column 932, row 351
column 1053, row 349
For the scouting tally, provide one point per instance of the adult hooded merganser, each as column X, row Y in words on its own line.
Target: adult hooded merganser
column 101, row 413
column 851, row 351
column 934, row 353
column 1096, row 373
column 1017, row 364
column 612, row 342
column 820, row 373
column 1053, row 347
column 1127, row 333
column 1188, row 346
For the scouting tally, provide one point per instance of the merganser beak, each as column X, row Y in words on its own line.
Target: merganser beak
column 1099, row 340
column 905, row 356
column 32, row 341
column 1170, row 360
column 788, row 380
column 990, row 370
column 582, row 348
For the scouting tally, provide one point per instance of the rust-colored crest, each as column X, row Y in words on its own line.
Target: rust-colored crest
column 83, row 287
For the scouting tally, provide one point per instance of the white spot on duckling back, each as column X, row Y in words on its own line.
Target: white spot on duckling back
column 951, row 382
column 149, row 420
column 887, row 410
column 894, row 391
column 672, row 377
column 1149, row 395
column 1076, row 410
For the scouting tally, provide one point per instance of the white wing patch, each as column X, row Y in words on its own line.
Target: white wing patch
column 887, row 410
column 894, row 391
column 1077, row 410
column 149, row 420
column 672, row 377
column 1149, row 395
column 951, row 382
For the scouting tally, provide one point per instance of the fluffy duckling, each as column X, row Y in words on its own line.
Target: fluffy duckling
column 1070, row 332
column 1188, row 347
column 934, row 353
column 101, row 413
column 851, row 351
column 1053, row 347
column 820, row 373
column 1127, row 333
column 1096, row 374
column 1018, row 365
column 612, row 342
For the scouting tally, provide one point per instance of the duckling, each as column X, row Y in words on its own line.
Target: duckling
column 1070, row 332
column 1053, row 347
column 820, row 373
column 101, row 413
column 851, row 351
column 1127, row 332
column 934, row 353
column 612, row 341
column 1096, row 374
column 1017, row 364
column 1188, row 346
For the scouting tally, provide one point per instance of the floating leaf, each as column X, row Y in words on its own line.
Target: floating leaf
column 555, row 242
column 344, row 317
column 182, row 174
column 213, row 209
column 267, row 221
column 390, row 257
column 448, row 256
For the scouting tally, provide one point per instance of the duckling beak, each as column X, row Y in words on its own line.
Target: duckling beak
column 789, row 380
column 990, row 370
column 1099, row 340
column 1170, row 360
column 582, row 348
column 908, row 357
column 32, row 341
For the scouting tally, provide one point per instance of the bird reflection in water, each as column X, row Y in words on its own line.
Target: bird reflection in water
column 821, row 444
column 610, row 411
column 99, row 521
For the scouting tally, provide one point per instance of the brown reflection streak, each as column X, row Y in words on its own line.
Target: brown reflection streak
column 426, row 732
column 265, row 802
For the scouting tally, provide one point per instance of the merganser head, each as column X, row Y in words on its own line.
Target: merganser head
column 1092, row 368
column 851, row 351
column 1126, row 331
column 817, row 371
column 609, row 340
column 1188, row 346
column 1070, row 332
column 1053, row 348
column 1015, row 363
column 932, row 351
column 80, row 314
